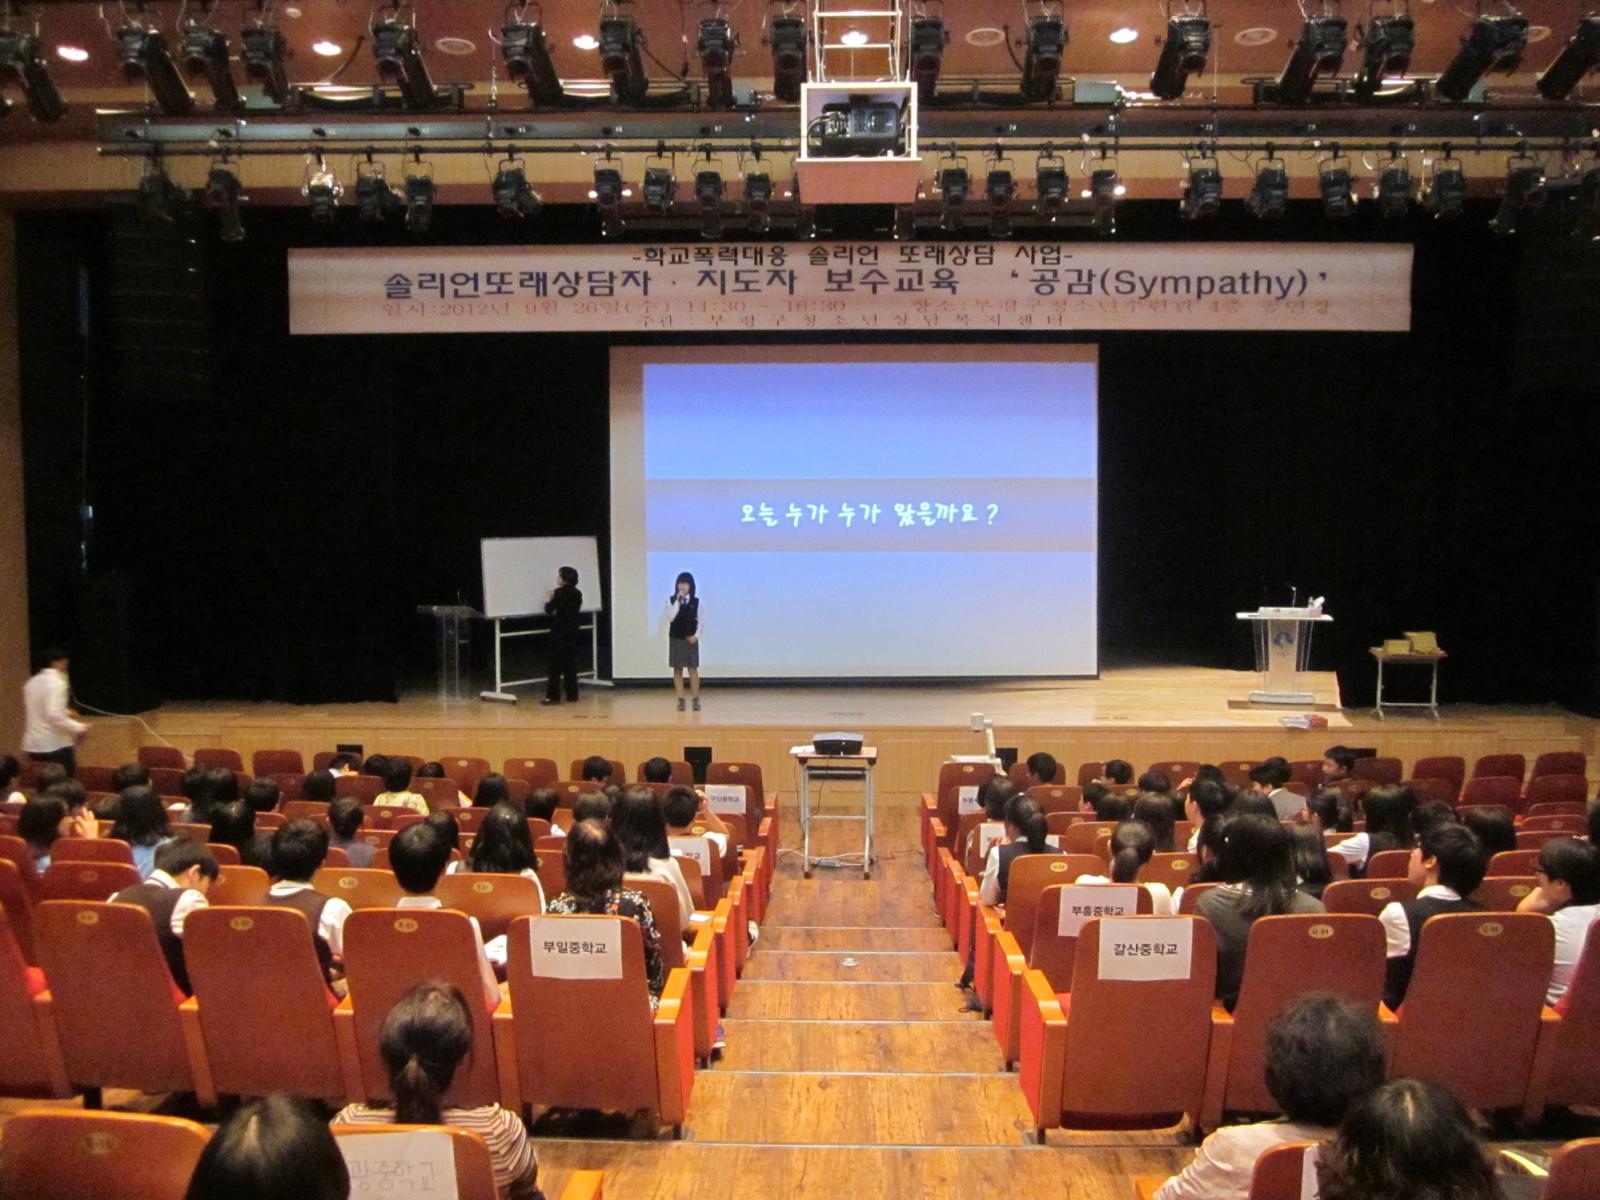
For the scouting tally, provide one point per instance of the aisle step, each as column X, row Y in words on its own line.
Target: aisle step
column 917, row 1047
column 791, row 1001
column 847, row 966
column 854, row 937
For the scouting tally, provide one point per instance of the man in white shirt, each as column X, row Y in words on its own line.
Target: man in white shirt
column 1569, row 893
column 51, row 731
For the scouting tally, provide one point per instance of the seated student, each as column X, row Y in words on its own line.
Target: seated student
column 262, row 794
column 1155, row 782
column 133, row 774
column 142, row 823
column 10, row 772
column 435, row 770
column 1338, row 763
column 423, row 1041
column 592, row 806
column 1430, row 813
column 196, row 790
column 1311, row 870
column 345, row 818
column 1494, row 827
column 397, row 791
column 1026, row 831
column 1569, row 892
column 1257, row 866
column 994, row 794
column 1448, row 866
column 269, row 1149
column 1269, row 778
column 1388, row 816
column 81, row 820
column 40, row 824
column 542, row 803
column 503, row 846
column 1155, row 810
column 321, row 787
column 235, row 825
column 1331, row 811
column 1131, row 847
column 344, row 764
column 1208, row 851
column 1106, row 804
column 683, row 809
column 178, row 883
column 418, row 856
column 298, row 850
column 596, row 767
column 658, row 770
column 1323, row 1054
column 1117, row 773
column 1207, row 798
column 640, row 824
column 1407, row 1139
column 492, row 789
column 596, row 885
column 376, row 765
column 1042, row 769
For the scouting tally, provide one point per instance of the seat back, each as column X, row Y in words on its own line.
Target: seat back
column 132, row 1156
column 365, row 788
column 1571, row 823
column 1176, row 770
column 1088, row 772
column 1026, row 880
column 749, row 774
column 473, row 1162
column 1191, row 896
column 387, row 953
column 277, row 762
column 953, row 777
column 1493, row 789
column 1451, row 767
column 1169, row 1020
column 169, row 757
column 1426, row 789
column 86, row 880
column 1567, row 808
column 1287, row 957
column 1237, row 770
column 570, row 789
column 104, row 958
column 1366, row 896
column 1305, row 770
column 466, row 770
column 1277, row 1174
column 975, row 848
column 95, row 849
column 239, row 885
column 15, row 851
column 1561, row 762
column 1502, row 893
column 1558, row 789
column 359, row 887
column 538, row 772
column 1532, row 839
column 1575, row 1076
column 226, row 855
column 663, row 899
column 1514, row 862
column 1378, row 770
column 495, row 900
column 214, row 756
column 1081, row 837
column 1389, row 864
column 1512, row 765
column 1056, row 797
column 1573, row 1171
column 1502, row 962
column 552, row 868
column 255, row 971
column 703, row 854
column 682, row 773
column 619, row 772
column 1053, row 952
column 439, row 793
column 32, row 1063
column 96, row 779
column 1172, row 869
column 559, row 1060
column 17, row 903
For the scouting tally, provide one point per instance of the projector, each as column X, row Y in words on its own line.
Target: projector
column 838, row 743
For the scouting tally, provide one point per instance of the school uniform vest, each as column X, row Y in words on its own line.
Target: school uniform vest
column 160, row 902
column 686, row 620
column 311, row 903
column 1397, row 972
column 1008, row 852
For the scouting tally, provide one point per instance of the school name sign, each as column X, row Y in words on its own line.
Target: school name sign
column 873, row 286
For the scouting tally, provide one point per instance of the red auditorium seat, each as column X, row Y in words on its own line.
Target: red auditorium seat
column 945, row 803
column 682, row 773
column 1502, row 893
column 1305, row 770
column 1561, row 762
column 1380, row 771
column 1090, row 771
column 1172, row 868
column 32, row 1064
column 1557, row 809
column 1573, row 1171
column 238, row 885
column 1178, row 770
column 359, row 888
column 17, row 902
column 700, row 959
column 1028, row 877
column 1056, row 797
column 95, row 849
column 96, row 779
column 15, row 851
column 466, row 770
column 1504, row 790
column 439, row 793
column 1237, row 770
column 1427, row 789
column 86, row 880
column 169, row 757
column 1514, row 862
column 494, row 900
column 1572, row 823
column 1191, row 897
column 619, row 771
column 1568, row 1066
column 167, row 781
column 1513, row 765
column 1450, row 767
column 1388, row 864
column 1532, row 839
column 214, row 756
column 1369, row 896
column 366, row 788
column 277, row 762
column 1278, row 1173
column 538, row 772
column 1557, row 789
column 133, row 1156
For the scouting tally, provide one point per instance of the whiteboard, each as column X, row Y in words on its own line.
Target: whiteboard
column 517, row 572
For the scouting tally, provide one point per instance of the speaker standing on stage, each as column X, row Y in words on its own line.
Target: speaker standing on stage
column 562, row 607
column 684, row 625
column 52, row 730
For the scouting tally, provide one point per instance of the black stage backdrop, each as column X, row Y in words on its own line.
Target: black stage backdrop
column 269, row 511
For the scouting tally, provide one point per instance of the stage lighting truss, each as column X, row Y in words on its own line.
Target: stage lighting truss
column 1392, row 189
column 1105, row 188
column 527, row 58
column 1524, row 192
column 322, row 190
column 160, row 200
column 1318, row 53
column 22, row 64
column 375, row 198
column 1386, row 43
column 514, row 196
column 144, row 56
column 397, row 50
column 621, row 55
column 1051, row 184
column 1183, row 52
column 1041, row 62
column 999, row 188
column 1269, row 194
column 660, row 187
column 925, row 49
column 1336, row 185
column 953, row 183
column 223, row 195
column 205, row 56
column 786, row 35
column 1444, row 193
column 1494, row 44
column 715, row 46
column 608, row 193
column 1577, row 58
column 1202, row 193
column 419, row 195
column 264, row 53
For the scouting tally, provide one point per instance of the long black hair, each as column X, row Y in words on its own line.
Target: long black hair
column 141, row 817
column 503, row 845
column 275, row 1147
column 1025, row 816
column 423, row 1040
column 684, row 577
column 640, row 823
column 1407, row 1137
column 1132, row 845
column 1258, row 852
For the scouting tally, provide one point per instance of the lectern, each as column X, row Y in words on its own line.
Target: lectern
column 1283, row 649
column 451, row 621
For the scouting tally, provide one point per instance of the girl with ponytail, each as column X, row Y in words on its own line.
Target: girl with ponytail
column 1132, row 844
column 1026, row 830
column 423, row 1041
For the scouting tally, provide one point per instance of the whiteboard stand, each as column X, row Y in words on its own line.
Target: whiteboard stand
column 502, row 684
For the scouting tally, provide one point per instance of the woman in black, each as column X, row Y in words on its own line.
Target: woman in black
column 683, row 638
column 562, row 608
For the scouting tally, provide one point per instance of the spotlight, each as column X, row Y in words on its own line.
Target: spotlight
column 144, row 56
column 1050, row 183
column 953, row 185
column 758, row 200
column 1386, row 45
column 1047, row 41
column 513, row 195
column 607, row 194
column 859, row 127
column 716, row 45
column 1392, row 192
column 620, row 58
column 160, row 199
column 1269, row 194
column 420, row 194
column 1524, row 193
column 1103, row 190
column 1492, row 44
column 527, row 56
column 222, row 196
column 399, row 57
column 1580, row 56
column 375, row 199
column 708, row 192
column 1337, row 186
column 322, row 190
column 928, row 40
column 205, row 56
column 1445, row 194
column 1202, row 195
column 1183, row 53
column 787, row 37
column 262, row 51
column 1320, row 51
column 660, row 189
column 999, row 187
column 22, row 64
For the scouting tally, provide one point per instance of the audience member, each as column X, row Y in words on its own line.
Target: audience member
column 1117, row 772
column 131, row 774
column 81, row 821
column 235, row 825
column 345, row 818
column 591, row 806
column 595, row 878
column 197, row 792
column 344, row 764
column 658, row 770
column 1430, row 813
column 684, row 810
column 1407, row 1139
column 40, row 824
column 321, row 787
column 1388, row 817
column 1155, row 782
column 1594, row 824
column 1026, row 830
column 444, row 823
column 1155, row 810
column 542, row 803
column 435, row 770
column 1332, row 810
column 1208, row 851
column 994, row 794
column 1447, row 865
column 397, row 791
column 142, row 823
column 1269, row 777
column 297, row 850
column 376, row 765
column 1106, row 804
column 1323, row 1054
column 262, row 794
column 1206, row 798
column 418, row 856
column 10, row 772
column 1257, row 867
column 423, row 1042
column 596, row 767
column 179, row 880
column 1247, row 802
column 1311, row 870
column 1338, row 763
column 640, row 825
column 1569, row 892
column 1132, row 844
column 1042, row 769
column 1494, row 827
column 492, row 789
column 268, row 1150
column 503, row 846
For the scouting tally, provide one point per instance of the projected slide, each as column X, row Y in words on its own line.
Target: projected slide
column 866, row 512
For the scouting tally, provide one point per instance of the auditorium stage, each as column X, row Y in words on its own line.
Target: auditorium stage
column 1139, row 713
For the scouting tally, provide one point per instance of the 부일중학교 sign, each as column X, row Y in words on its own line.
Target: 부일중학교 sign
column 951, row 287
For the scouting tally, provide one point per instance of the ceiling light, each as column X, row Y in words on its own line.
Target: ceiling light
column 72, row 54
column 322, row 190
column 1524, row 192
column 715, row 46
column 1047, row 41
column 458, row 46
column 264, row 53
column 160, row 200
column 1050, row 183
column 660, row 188
column 205, row 56
column 586, row 41
column 1124, row 35
column 853, row 38
column 1336, row 186
column 293, row 12
column 620, row 58
column 1104, row 188
column 375, row 199
column 787, row 37
column 758, row 200
column 1577, row 59
column 419, row 198
column 222, row 197
column 527, row 56
column 1183, row 53
column 143, row 53
column 607, row 194
column 399, row 59
column 326, row 48
column 1256, row 35
column 985, row 36
column 1319, row 52
column 999, row 187
column 1494, row 43
column 1386, row 45
column 1445, row 192
column 953, row 185
column 513, row 195
column 1392, row 192
column 708, row 193
column 1269, row 194
column 1202, row 194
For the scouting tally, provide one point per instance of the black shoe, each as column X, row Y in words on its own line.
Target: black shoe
column 548, row 700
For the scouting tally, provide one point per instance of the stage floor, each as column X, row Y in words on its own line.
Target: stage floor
column 1142, row 714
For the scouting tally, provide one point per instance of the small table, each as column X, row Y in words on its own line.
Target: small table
column 1417, row 660
column 834, row 766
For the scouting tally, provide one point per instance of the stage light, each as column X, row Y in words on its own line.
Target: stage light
column 144, row 56
column 222, row 197
column 660, row 189
column 22, row 63
column 398, row 54
column 709, row 189
column 72, row 54
column 263, row 52
column 1050, row 185
column 1202, row 195
column 527, row 56
column 953, row 185
column 999, row 187
column 1319, row 52
column 859, row 127
column 715, row 46
column 1047, row 41
column 1269, row 194
column 375, row 199
column 1392, row 192
column 1386, row 45
column 1104, row 188
column 758, row 200
column 161, row 201
column 419, row 197
column 1524, row 192
column 1336, row 186
column 1445, row 194
column 928, row 40
column 620, row 58
column 1183, row 53
column 1580, row 56
column 205, row 56
column 513, row 194
column 607, row 194
column 787, row 37
column 322, row 190
column 326, row 49
column 1494, row 43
